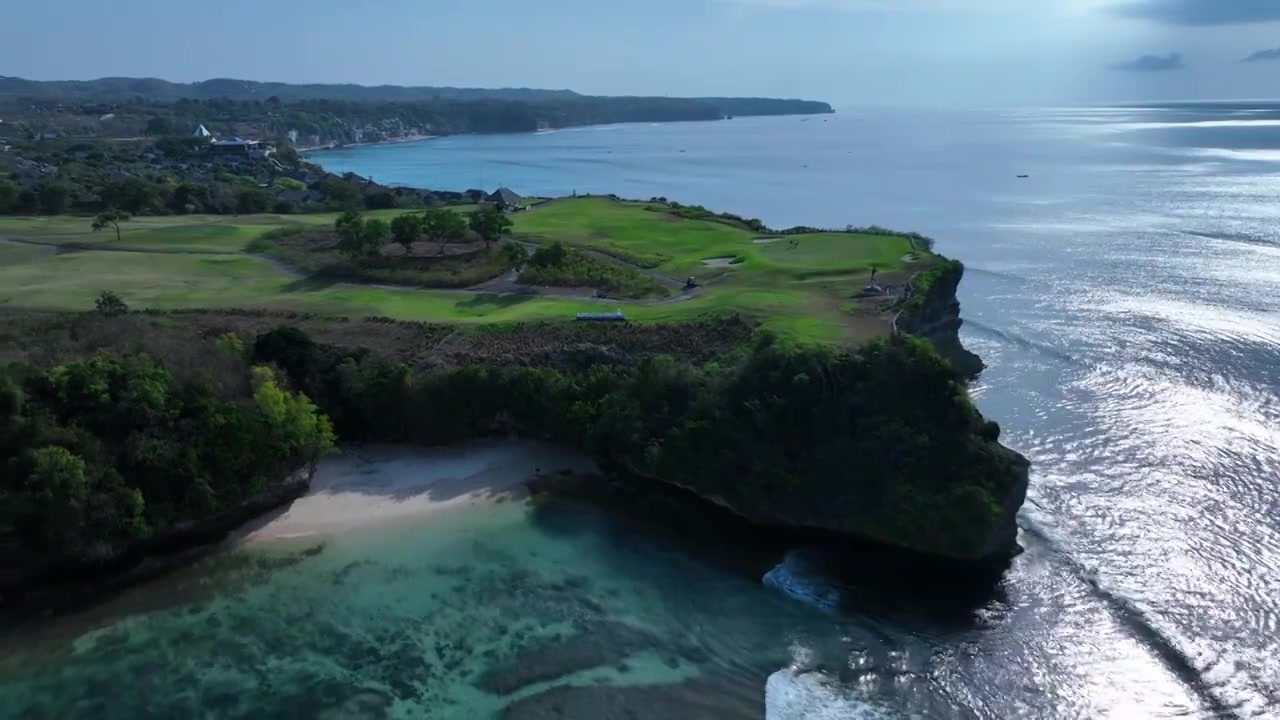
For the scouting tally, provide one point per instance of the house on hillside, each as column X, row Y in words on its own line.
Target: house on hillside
column 505, row 199
column 240, row 146
column 202, row 133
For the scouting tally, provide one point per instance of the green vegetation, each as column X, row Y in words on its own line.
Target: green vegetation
column 658, row 236
column 805, row 291
column 225, row 91
column 106, row 451
column 110, row 218
column 358, row 256
column 795, row 433
column 490, row 223
column 881, row 442
column 557, row 266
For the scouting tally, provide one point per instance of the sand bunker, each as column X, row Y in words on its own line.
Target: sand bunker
column 766, row 241
column 909, row 258
column 376, row 485
column 719, row 262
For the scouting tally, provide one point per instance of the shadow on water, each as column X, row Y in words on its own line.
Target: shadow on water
column 862, row 577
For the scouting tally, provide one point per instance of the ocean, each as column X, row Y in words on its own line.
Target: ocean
column 1125, row 296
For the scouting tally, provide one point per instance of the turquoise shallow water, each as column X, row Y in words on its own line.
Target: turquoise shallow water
column 467, row 613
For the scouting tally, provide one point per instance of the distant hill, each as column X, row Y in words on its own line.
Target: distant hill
column 156, row 90
column 123, row 88
column 311, row 116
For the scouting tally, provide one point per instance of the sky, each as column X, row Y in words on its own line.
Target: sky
column 847, row 52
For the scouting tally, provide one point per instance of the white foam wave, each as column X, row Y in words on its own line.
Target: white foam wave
column 1255, row 155
column 789, row 577
column 1125, row 127
column 791, row 695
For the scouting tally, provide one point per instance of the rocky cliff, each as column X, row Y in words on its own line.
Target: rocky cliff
column 933, row 313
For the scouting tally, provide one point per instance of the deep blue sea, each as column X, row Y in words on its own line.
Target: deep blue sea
column 1126, row 298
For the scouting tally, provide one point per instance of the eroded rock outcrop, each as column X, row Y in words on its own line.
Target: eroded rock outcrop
column 933, row 313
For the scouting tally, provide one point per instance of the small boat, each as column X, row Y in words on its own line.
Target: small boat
column 1023, row 177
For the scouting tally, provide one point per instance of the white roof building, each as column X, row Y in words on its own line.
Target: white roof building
column 201, row 132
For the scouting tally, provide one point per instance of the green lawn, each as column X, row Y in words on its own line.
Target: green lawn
column 177, row 233
column 643, row 234
column 804, row 292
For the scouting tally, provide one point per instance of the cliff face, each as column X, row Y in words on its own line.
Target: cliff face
column 933, row 314
column 892, row 450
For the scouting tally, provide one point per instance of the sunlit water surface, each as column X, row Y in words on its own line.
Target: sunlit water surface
column 1126, row 297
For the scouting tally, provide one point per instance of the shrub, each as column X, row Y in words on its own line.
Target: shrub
column 110, row 304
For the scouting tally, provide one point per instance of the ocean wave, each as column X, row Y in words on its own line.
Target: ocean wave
column 994, row 273
column 1013, row 338
column 793, row 577
column 791, row 694
column 1137, row 622
column 1125, row 127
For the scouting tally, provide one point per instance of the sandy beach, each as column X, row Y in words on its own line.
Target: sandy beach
column 380, row 484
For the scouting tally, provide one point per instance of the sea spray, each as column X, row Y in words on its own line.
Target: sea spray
column 791, row 694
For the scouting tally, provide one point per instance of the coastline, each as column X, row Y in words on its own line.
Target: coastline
column 392, row 141
column 379, row 485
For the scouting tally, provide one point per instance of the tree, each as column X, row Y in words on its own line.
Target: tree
column 340, row 194
column 381, row 200
column 159, row 126
column 8, row 195
column 254, row 200
column 517, row 253
column 58, row 485
column 405, row 230
column 553, row 255
column 109, row 303
column 490, row 223
column 27, row 202
column 110, row 218
column 135, row 195
column 288, row 156
column 443, row 225
column 360, row 238
column 54, row 198
column 375, row 235
column 190, row 197
column 350, row 229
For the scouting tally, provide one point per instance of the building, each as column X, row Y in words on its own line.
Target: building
column 240, row 146
column 505, row 199
column 202, row 133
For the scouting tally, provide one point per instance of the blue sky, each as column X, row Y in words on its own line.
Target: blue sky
column 848, row 52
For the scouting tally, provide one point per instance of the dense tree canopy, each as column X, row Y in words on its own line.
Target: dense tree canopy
column 490, row 223
column 109, row 450
column 882, row 442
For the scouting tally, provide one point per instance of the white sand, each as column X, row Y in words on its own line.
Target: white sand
column 766, row 241
column 378, row 485
column 718, row 262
